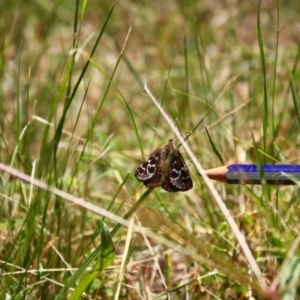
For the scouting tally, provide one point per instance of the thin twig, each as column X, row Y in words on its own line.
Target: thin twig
column 239, row 236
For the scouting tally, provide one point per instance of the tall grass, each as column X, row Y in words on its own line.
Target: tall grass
column 76, row 122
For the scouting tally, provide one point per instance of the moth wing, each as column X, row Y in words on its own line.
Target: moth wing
column 156, row 180
column 179, row 178
column 146, row 171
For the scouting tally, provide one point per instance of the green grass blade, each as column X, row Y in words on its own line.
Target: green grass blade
column 106, row 257
column 295, row 97
column 215, row 149
column 94, row 256
column 263, row 67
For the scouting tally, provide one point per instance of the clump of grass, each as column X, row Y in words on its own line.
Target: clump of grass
column 76, row 122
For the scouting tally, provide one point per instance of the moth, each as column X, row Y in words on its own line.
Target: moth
column 165, row 167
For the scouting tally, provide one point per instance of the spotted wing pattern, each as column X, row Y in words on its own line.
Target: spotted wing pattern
column 179, row 178
column 150, row 171
column 165, row 167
